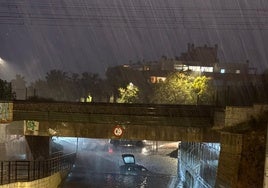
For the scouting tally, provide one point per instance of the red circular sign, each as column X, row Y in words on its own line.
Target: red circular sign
column 118, row 131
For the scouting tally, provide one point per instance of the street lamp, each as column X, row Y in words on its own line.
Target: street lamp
column 7, row 71
column 2, row 62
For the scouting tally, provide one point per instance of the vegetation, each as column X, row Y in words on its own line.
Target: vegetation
column 180, row 88
column 120, row 77
column 6, row 91
column 61, row 86
column 128, row 94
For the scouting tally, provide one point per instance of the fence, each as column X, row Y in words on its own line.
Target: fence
column 23, row 171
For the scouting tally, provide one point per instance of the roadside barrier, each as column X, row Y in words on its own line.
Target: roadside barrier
column 24, row 171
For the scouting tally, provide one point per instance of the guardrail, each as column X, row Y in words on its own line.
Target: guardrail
column 166, row 110
column 23, row 171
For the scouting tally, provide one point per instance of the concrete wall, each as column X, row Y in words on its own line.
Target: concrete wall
column 50, row 182
column 198, row 164
column 240, row 115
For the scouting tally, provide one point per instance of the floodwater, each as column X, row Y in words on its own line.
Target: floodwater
column 119, row 180
column 97, row 165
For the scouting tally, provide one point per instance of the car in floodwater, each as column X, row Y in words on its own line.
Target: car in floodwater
column 130, row 167
column 127, row 143
column 126, row 146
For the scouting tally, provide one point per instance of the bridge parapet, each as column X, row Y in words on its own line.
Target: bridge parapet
column 237, row 115
column 117, row 108
column 111, row 113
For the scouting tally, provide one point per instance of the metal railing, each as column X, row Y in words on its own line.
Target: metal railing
column 23, row 171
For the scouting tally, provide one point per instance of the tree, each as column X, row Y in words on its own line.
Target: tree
column 120, row 76
column 91, row 84
column 58, row 84
column 203, row 90
column 61, row 86
column 117, row 77
column 128, row 94
column 6, row 91
column 39, row 89
column 180, row 88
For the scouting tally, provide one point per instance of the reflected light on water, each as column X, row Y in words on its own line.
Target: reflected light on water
column 145, row 151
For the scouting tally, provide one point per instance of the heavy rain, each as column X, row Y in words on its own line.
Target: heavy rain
column 180, row 85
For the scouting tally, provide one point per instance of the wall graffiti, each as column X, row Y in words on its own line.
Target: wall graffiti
column 31, row 127
column 6, row 112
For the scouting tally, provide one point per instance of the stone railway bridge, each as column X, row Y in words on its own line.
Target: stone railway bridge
column 241, row 131
column 138, row 121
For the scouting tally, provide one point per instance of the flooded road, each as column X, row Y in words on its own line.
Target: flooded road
column 98, row 164
column 117, row 180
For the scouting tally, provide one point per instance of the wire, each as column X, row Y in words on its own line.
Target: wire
column 81, row 14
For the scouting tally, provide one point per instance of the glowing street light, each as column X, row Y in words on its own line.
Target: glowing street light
column 5, row 70
column 1, row 61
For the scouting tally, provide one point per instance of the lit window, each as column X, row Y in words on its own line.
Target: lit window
column 178, row 67
column 237, row 71
column 146, row 68
column 206, row 69
column 185, row 68
column 153, row 79
column 181, row 67
column 160, row 79
column 194, row 68
column 222, row 70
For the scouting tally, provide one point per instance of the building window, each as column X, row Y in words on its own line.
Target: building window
column 206, row 69
column 181, row 67
column 222, row 71
column 200, row 69
column 146, row 68
column 237, row 71
column 153, row 79
column 194, row 68
column 161, row 79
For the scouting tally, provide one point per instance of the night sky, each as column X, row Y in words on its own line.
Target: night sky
column 91, row 35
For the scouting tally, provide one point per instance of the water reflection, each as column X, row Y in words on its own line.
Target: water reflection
column 197, row 167
column 119, row 180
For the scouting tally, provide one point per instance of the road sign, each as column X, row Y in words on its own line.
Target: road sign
column 118, row 131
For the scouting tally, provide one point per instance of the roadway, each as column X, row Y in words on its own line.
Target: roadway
column 98, row 163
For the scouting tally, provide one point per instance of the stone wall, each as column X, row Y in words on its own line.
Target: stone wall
column 242, row 158
column 240, row 115
column 251, row 166
column 51, row 182
column 230, row 155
